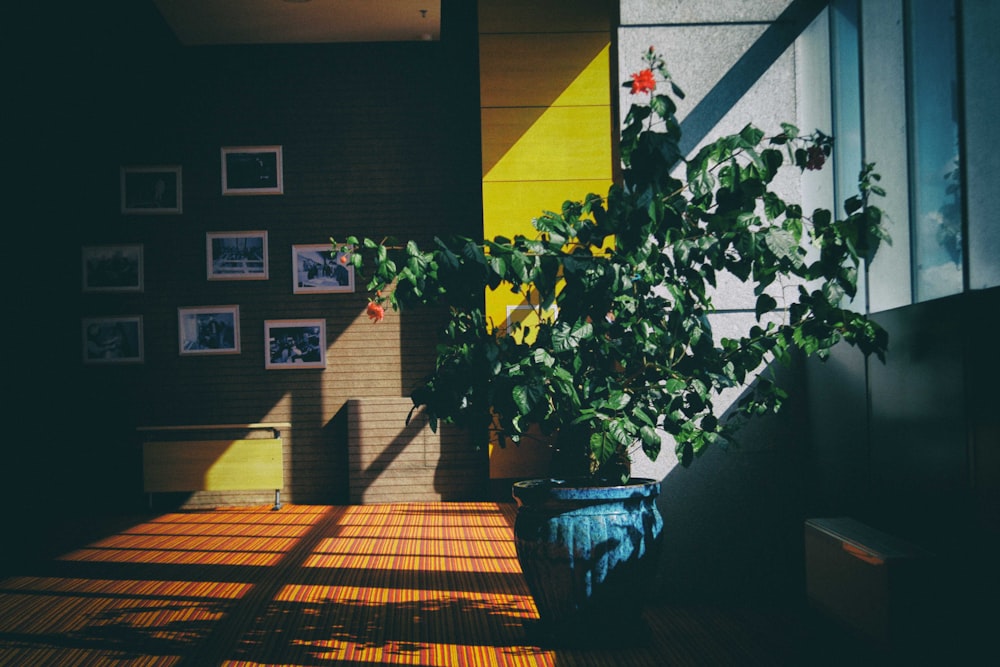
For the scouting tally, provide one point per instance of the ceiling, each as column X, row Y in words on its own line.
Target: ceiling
column 210, row 22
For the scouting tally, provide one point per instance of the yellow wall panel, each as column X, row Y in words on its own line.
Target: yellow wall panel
column 546, row 112
column 535, row 69
column 502, row 128
column 591, row 85
column 510, row 206
column 565, row 143
column 505, row 125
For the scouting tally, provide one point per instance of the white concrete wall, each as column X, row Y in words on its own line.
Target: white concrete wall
column 733, row 519
column 703, row 44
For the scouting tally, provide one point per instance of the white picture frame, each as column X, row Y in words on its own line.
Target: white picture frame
column 236, row 255
column 151, row 190
column 318, row 270
column 208, row 330
column 252, row 170
column 112, row 268
column 113, row 340
column 294, row 344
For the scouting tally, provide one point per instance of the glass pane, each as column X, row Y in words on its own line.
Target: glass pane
column 845, row 75
column 934, row 149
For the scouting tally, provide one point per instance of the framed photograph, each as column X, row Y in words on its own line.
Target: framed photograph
column 252, row 170
column 317, row 270
column 151, row 190
column 294, row 344
column 112, row 268
column 236, row 255
column 209, row 330
column 110, row 340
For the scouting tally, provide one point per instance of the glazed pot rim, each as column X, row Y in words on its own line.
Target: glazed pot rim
column 583, row 487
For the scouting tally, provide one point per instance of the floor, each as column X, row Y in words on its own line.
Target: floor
column 394, row 584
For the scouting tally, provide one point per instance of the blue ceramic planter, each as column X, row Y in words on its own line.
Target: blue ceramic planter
column 588, row 552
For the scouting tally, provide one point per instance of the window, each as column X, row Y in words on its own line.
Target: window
column 936, row 210
column 897, row 99
column 846, row 100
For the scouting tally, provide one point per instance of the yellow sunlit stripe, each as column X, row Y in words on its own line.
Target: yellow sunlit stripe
column 412, row 563
column 172, row 557
column 121, row 587
column 410, row 653
column 197, row 542
column 374, row 595
column 418, row 546
column 219, row 529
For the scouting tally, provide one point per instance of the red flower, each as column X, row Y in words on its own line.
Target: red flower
column 375, row 312
column 643, row 82
column 816, row 158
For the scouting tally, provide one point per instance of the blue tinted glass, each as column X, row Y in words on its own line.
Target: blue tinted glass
column 936, row 205
column 845, row 74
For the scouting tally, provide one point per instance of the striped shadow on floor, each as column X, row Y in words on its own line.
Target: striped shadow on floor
column 385, row 584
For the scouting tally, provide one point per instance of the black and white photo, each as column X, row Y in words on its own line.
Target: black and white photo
column 236, row 255
column 292, row 344
column 319, row 270
column 108, row 340
column 151, row 190
column 252, row 170
column 112, row 268
column 209, row 330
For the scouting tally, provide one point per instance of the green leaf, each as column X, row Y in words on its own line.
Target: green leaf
column 527, row 397
column 617, row 400
column 789, row 130
column 498, row 265
column 751, row 135
column 701, row 182
column 649, row 436
column 699, row 387
column 833, row 293
column 602, row 446
column 675, row 386
column 445, row 256
column 765, row 304
column 473, row 253
column 641, row 415
column 773, row 205
column 821, row 218
column 541, row 357
column 853, row 204
column 565, row 338
column 619, row 430
column 663, row 106
column 783, row 244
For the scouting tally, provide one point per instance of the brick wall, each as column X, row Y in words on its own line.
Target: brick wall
column 375, row 141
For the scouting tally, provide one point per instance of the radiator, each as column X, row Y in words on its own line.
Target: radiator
column 873, row 582
column 251, row 464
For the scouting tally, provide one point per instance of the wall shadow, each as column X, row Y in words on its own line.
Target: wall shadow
column 733, row 519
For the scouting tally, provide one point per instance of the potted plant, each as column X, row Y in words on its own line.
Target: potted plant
column 623, row 355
